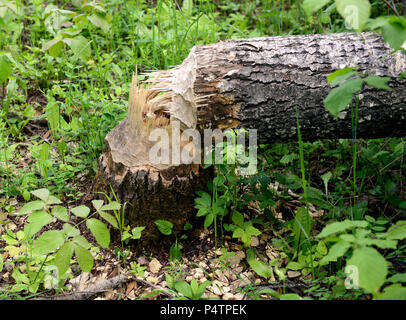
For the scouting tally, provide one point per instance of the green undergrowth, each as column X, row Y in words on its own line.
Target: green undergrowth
column 333, row 211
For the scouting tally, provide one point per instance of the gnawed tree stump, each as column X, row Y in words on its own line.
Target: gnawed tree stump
column 252, row 83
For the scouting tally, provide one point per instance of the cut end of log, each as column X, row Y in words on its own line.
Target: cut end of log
column 167, row 96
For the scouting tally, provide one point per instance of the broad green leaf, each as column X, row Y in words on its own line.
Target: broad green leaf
column 399, row 277
column 81, row 48
column 20, row 235
column 201, row 289
column 164, row 226
column 380, row 243
column 238, row 233
column 109, row 218
column 84, row 258
column 394, row 32
column 355, row 12
column 114, row 205
column 339, row 98
column 43, row 194
column 340, row 75
column 37, row 220
column 321, row 248
column 337, row 227
column 336, row 251
column 48, row 241
column 203, row 200
column 136, row 232
column 393, row 292
column 397, row 231
column 238, row 219
column 378, row 22
column 20, row 277
column 53, row 200
column 208, row 220
column 70, row 231
column 92, row 6
column 169, row 281
column 252, row 231
column 99, row 21
column 184, row 288
column 9, row 240
column 310, row 6
column 260, row 267
column 378, row 82
column 5, row 68
column 100, row 232
column 80, row 211
column 372, row 268
column 32, row 206
column 19, row 287
column 97, row 204
column 63, row 256
column 81, row 240
column 293, row 265
column 54, row 47
column 61, row 213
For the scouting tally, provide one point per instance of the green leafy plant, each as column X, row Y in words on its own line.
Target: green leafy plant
column 243, row 230
column 52, row 247
column 185, row 291
column 164, row 226
column 358, row 248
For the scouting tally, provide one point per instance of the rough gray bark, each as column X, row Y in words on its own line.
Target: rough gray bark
column 257, row 83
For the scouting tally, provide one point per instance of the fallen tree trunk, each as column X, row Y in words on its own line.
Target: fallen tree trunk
column 251, row 83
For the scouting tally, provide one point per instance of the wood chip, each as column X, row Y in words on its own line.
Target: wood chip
column 254, row 241
column 142, row 260
column 236, row 258
column 293, row 274
column 155, row 265
column 228, row 296
column 153, row 280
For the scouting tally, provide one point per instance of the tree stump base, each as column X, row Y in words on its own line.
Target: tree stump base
column 152, row 194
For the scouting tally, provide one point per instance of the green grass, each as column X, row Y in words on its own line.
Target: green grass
column 62, row 100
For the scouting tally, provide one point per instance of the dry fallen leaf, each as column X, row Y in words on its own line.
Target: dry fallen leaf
column 153, row 280
column 236, row 258
column 155, row 265
column 228, row 296
column 254, row 241
column 131, row 286
column 142, row 260
column 293, row 274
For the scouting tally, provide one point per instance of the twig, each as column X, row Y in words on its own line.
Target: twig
column 392, row 6
column 164, row 291
column 102, row 287
column 91, row 291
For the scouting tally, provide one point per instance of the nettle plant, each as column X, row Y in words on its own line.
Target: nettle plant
column 359, row 245
column 231, row 159
column 45, row 257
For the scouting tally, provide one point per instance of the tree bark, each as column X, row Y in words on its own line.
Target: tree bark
column 252, row 83
column 258, row 83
